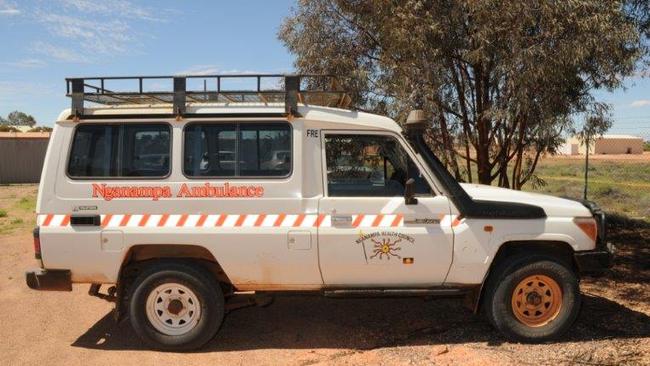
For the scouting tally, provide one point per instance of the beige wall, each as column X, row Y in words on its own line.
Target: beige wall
column 612, row 145
column 619, row 146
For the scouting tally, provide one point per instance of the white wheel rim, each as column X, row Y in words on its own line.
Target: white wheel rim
column 173, row 309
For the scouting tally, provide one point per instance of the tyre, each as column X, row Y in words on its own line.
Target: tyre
column 176, row 306
column 532, row 298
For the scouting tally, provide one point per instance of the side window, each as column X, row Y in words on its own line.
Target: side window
column 210, row 150
column 264, row 150
column 145, row 151
column 369, row 166
column 120, row 151
column 237, row 150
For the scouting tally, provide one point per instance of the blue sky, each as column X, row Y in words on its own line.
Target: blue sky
column 45, row 41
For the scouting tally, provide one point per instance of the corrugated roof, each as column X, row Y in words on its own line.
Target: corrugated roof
column 24, row 135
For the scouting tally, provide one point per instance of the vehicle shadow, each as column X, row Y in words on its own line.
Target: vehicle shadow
column 312, row 322
column 632, row 240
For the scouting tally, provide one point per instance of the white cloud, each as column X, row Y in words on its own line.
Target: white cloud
column 58, row 53
column 13, row 91
column 242, row 72
column 95, row 37
column 8, row 8
column 213, row 70
column 11, row 11
column 236, row 83
column 200, row 70
column 95, row 30
column 640, row 103
column 28, row 63
column 118, row 8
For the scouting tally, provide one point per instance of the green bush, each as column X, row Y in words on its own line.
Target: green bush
column 7, row 128
column 41, row 129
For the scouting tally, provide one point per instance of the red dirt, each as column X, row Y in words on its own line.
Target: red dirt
column 50, row 328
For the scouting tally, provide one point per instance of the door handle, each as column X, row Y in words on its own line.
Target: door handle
column 85, row 220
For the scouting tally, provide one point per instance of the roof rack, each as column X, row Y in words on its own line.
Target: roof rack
column 287, row 89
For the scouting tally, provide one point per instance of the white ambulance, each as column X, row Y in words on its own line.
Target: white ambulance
column 184, row 201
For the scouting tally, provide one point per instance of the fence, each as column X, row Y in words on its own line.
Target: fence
column 22, row 156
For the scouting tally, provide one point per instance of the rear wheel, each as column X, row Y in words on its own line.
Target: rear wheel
column 176, row 306
column 533, row 298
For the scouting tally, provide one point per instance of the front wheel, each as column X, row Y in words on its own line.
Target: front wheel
column 176, row 306
column 533, row 299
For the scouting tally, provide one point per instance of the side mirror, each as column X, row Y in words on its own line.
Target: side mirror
column 409, row 192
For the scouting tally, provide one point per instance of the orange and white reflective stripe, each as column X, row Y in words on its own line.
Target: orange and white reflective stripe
column 227, row 220
column 239, row 220
column 53, row 220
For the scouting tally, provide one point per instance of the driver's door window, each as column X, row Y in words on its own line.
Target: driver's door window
column 369, row 166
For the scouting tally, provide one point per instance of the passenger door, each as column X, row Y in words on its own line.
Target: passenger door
column 370, row 237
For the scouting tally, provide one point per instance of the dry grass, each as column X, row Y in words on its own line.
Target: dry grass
column 619, row 186
column 17, row 204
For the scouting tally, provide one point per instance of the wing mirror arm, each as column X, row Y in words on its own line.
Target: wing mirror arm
column 409, row 192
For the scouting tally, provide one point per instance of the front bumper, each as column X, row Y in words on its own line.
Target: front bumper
column 598, row 260
column 594, row 261
column 49, row 279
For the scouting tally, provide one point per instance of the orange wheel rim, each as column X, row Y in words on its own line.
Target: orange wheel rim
column 537, row 300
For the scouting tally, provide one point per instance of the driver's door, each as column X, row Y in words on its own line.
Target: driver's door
column 369, row 236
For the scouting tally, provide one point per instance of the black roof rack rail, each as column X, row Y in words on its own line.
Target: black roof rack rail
column 289, row 89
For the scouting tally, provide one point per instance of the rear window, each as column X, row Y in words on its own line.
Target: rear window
column 120, row 151
column 237, row 150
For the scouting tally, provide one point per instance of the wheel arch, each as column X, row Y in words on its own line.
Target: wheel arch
column 560, row 250
column 140, row 256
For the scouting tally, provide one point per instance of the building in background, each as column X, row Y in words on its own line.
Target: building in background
column 606, row 144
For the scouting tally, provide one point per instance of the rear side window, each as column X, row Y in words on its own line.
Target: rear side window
column 237, row 150
column 120, row 151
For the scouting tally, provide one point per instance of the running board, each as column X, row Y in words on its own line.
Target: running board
column 395, row 292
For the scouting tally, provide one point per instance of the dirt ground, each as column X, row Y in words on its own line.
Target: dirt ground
column 51, row 328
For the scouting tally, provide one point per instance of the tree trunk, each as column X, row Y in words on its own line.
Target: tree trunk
column 483, row 146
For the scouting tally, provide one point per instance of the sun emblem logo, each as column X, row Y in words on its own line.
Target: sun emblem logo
column 385, row 247
column 385, row 244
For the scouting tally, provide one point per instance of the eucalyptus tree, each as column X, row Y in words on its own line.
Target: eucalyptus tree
column 501, row 80
column 17, row 118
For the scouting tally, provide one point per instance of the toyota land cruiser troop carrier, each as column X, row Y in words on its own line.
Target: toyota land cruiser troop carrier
column 184, row 201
